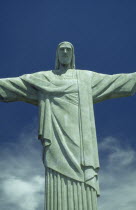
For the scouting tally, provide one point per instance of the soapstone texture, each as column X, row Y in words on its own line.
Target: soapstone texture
column 65, row 97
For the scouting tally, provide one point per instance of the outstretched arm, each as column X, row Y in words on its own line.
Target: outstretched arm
column 15, row 89
column 112, row 86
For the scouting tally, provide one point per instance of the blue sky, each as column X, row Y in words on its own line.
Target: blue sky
column 104, row 36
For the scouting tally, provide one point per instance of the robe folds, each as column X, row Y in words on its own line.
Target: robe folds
column 66, row 116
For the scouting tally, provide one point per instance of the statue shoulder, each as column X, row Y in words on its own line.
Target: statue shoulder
column 39, row 74
column 42, row 73
column 85, row 73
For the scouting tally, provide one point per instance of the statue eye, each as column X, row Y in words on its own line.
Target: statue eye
column 69, row 49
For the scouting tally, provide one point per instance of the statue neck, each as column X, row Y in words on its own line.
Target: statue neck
column 64, row 67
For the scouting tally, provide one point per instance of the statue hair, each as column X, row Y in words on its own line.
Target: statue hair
column 57, row 62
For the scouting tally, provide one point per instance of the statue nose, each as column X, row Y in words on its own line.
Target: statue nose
column 65, row 50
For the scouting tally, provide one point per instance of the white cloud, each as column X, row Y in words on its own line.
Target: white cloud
column 24, row 194
column 117, row 176
column 22, row 174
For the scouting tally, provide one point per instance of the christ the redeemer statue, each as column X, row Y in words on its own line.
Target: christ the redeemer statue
column 65, row 97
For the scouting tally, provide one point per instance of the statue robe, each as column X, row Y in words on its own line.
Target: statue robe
column 66, row 117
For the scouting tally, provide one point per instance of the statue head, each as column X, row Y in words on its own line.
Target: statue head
column 65, row 55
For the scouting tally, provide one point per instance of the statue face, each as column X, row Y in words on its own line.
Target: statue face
column 65, row 53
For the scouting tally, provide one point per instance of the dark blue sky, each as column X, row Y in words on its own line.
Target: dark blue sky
column 104, row 36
